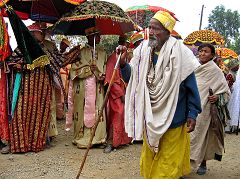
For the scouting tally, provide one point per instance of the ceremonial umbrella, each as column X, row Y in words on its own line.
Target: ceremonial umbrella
column 141, row 15
column 226, row 53
column 176, row 35
column 22, row 15
column 109, row 18
column 204, row 36
column 44, row 10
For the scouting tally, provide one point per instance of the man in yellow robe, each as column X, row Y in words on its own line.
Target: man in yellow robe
column 162, row 100
column 88, row 93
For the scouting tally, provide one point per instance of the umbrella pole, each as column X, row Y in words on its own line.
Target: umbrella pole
column 99, row 116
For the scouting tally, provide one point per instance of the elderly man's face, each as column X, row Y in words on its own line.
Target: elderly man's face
column 157, row 33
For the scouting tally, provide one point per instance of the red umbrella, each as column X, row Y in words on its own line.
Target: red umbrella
column 107, row 17
column 22, row 15
column 44, row 10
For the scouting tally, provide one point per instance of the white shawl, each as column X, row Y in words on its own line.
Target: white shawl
column 155, row 107
column 234, row 103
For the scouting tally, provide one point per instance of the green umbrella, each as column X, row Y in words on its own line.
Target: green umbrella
column 141, row 15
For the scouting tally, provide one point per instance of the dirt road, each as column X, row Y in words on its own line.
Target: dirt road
column 63, row 160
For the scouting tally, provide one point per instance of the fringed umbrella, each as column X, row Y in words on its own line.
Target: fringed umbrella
column 44, row 10
column 141, row 15
column 204, row 36
column 109, row 18
column 226, row 53
column 176, row 35
column 75, row 2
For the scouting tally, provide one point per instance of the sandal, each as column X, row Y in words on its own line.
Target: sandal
column 5, row 150
column 108, row 149
column 202, row 170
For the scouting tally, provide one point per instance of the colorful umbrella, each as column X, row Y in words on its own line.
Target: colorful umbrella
column 141, row 15
column 44, row 10
column 226, row 53
column 22, row 15
column 176, row 35
column 3, row 2
column 204, row 36
column 109, row 18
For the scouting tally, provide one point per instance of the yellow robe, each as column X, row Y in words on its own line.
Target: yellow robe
column 173, row 158
column 79, row 72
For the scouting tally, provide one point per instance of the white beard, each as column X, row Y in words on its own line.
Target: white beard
column 152, row 43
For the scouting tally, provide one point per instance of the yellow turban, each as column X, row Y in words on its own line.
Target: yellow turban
column 165, row 19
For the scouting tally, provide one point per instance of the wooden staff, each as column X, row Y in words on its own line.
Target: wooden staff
column 99, row 116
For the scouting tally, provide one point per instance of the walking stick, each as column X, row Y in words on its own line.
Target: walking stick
column 99, row 116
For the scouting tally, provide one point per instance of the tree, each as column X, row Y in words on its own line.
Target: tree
column 227, row 23
column 109, row 43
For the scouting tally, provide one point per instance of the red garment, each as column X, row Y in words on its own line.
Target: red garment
column 4, row 132
column 115, row 116
column 230, row 80
column 4, row 53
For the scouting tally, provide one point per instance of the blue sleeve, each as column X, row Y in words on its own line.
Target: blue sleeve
column 193, row 97
column 126, row 73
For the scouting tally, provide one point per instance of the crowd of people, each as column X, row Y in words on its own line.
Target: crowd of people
column 175, row 102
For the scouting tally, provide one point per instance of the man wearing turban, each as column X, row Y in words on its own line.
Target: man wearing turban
column 162, row 96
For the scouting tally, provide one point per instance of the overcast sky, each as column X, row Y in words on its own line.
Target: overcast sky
column 187, row 11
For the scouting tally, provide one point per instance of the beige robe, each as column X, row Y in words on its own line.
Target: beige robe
column 204, row 143
column 79, row 72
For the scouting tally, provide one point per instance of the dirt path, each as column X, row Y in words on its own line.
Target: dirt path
column 63, row 160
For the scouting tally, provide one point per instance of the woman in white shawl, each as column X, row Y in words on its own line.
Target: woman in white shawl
column 205, row 141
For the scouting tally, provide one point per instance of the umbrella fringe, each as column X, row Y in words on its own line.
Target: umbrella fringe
column 82, row 17
column 75, row 2
column 203, row 41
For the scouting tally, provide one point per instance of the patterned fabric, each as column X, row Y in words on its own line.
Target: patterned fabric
column 4, row 52
column 204, row 36
column 4, row 135
column 28, row 128
column 79, row 73
column 97, row 9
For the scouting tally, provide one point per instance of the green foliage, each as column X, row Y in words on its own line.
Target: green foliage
column 109, row 43
column 227, row 23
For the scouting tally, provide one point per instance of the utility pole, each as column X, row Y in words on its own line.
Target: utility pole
column 200, row 26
